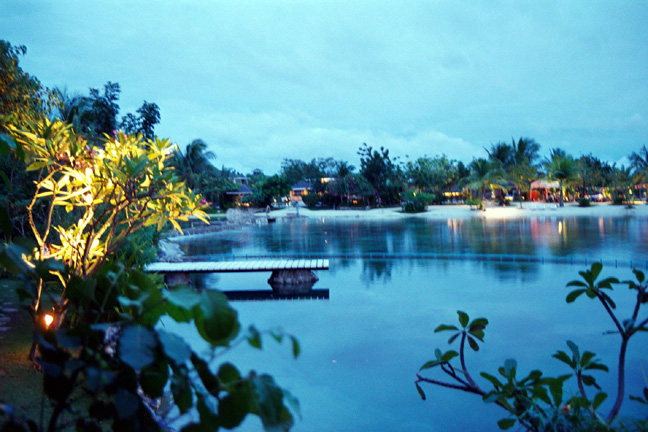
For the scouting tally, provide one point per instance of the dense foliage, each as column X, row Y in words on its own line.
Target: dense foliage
column 538, row 402
column 103, row 342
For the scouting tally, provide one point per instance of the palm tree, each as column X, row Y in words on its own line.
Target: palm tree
column 75, row 110
column 484, row 173
column 501, row 153
column 621, row 177
column 523, row 169
column 526, row 149
column 561, row 167
column 193, row 162
column 639, row 162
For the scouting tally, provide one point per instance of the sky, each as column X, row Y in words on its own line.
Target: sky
column 263, row 81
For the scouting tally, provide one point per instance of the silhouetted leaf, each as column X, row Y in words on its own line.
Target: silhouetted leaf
column 444, row 327
column 420, row 391
column 574, row 295
column 137, row 346
column 506, row 423
column 463, row 318
column 174, row 347
column 254, row 337
column 154, row 377
column 209, row 380
column 268, row 403
column 473, row 344
column 598, row 400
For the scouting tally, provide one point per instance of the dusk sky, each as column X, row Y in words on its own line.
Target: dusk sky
column 260, row 81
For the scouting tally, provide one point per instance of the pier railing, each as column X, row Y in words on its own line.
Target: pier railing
column 502, row 258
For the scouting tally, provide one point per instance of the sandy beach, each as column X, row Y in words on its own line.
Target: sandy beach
column 464, row 212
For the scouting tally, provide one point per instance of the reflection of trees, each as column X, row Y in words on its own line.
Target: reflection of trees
column 374, row 270
column 541, row 236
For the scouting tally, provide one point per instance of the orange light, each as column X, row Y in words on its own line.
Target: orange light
column 48, row 320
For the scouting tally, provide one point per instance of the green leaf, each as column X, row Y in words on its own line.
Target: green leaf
column 12, row 258
column 296, row 349
column 5, row 223
column 453, row 337
column 587, row 357
column 137, row 346
column 444, row 327
column 577, row 283
column 215, row 320
column 506, row 423
column 449, row 356
column 556, row 388
column 473, row 344
column 174, row 347
column 228, row 374
column 479, row 334
column 268, row 403
column 574, row 295
column 182, row 296
column 234, row 407
column 254, row 338
column 181, row 392
column 598, row 400
column 154, row 377
column 596, row 269
column 563, row 357
column 463, row 318
column 496, row 383
column 126, row 403
column 510, row 366
column 420, row 391
column 589, row 380
column 574, row 349
column 208, row 379
column 430, row 364
column 639, row 275
column 209, row 420
column 6, row 180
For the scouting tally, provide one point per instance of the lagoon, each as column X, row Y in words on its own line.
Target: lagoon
column 362, row 347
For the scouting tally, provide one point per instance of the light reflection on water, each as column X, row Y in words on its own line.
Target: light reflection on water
column 362, row 348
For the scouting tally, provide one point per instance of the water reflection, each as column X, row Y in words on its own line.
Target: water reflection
column 377, row 325
column 542, row 236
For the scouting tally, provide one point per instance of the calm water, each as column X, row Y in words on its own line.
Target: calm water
column 362, row 348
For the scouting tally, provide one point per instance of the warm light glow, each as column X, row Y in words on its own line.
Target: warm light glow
column 48, row 320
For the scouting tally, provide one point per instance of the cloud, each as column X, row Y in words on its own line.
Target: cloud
column 247, row 140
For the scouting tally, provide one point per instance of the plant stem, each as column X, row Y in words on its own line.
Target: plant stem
column 463, row 363
column 621, row 382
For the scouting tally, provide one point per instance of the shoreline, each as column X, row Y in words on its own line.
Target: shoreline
column 444, row 212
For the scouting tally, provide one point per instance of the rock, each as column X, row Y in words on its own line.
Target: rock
column 169, row 251
column 297, row 281
column 172, row 279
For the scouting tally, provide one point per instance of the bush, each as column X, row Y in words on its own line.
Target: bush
column 584, row 202
column 475, row 202
column 310, row 200
column 413, row 202
column 618, row 200
column 538, row 402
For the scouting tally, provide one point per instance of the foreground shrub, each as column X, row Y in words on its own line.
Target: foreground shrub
column 537, row 402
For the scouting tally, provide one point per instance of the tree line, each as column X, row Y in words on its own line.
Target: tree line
column 381, row 179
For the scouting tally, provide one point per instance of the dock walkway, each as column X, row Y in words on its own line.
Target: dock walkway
column 237, row 266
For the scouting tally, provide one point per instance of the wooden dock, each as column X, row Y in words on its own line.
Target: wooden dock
column 237, row 266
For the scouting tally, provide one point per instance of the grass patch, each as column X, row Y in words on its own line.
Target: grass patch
column 21, row 386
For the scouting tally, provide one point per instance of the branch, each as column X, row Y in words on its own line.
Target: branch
column 609, row 311
column 463, row 363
